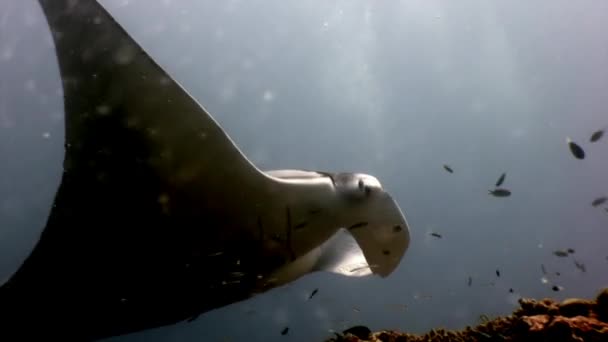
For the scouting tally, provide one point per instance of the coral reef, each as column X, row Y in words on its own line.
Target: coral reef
column 573, row 319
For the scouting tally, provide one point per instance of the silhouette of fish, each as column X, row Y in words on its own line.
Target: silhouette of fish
column 596, row 136
column 500, row 192
column 314, row 292
column 599, row 201
column 580, row 266
column 501, row 180
column 575, row 149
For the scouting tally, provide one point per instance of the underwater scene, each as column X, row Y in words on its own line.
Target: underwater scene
column 303, row 170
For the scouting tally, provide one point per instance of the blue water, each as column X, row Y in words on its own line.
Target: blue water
column 393, row 89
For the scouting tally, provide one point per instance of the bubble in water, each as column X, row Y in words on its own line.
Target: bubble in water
column 124, row 55
column 7, row 53
column 268, row 96
column 30, row 85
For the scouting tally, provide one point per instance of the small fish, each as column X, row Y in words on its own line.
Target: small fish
column 285, row 331
column 230, row 282
column 576, row 150
column 448, row 168
column 314, row 292
column 470, row 282
column 501, row 180
column 193, row 318
column 300, row 225
column 500, row 192
column 560, row 253
column 542, row 268
column 510, row 290
column 360, row 331
column 556, row 288
column 358, row 225
column 597, row 135
column 484, row 335
column 437, row 235
column 314, row 211
column 483, row 318
column 498, row 273
column 570, row 250
column 599, row 201
column 557, row 274
column 580, row 266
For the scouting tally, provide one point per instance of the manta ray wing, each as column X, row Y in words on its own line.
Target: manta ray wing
column 140, row 234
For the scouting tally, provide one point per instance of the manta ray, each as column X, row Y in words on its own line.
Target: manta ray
column 159, row 216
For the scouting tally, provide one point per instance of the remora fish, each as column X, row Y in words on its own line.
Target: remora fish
column 153, row 231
